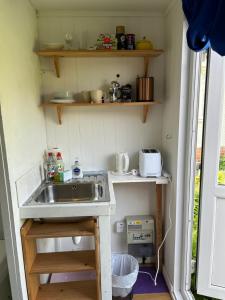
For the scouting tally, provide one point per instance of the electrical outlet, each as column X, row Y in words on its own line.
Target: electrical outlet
column 120, row 227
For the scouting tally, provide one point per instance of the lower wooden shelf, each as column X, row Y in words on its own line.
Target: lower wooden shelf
column 80, row 290
column 40, row 230
column 62, row 262
column 146, row 105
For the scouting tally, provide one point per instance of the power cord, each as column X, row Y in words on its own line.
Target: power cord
column 167, row 231
column 164, row 239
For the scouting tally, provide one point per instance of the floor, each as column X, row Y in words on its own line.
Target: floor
column 161, row 296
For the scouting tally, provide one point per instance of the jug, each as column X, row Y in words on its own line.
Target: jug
column 122, row 163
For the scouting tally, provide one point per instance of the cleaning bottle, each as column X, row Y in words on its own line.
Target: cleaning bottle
column 77, row 171
column 51, row 166
column 59, row 162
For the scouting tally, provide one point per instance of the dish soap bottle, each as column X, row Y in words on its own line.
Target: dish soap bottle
column 77, row 171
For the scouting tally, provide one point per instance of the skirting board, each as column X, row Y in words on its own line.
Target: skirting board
column 176, row 295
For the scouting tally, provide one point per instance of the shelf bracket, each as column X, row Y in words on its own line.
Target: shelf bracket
column 146, row 109
column 59, row 109
column 56, row 65
column 146, row 65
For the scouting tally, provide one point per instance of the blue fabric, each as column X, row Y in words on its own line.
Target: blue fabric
column 206, row 19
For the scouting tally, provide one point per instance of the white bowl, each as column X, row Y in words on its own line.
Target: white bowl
column 54, row 46
column 63, row 95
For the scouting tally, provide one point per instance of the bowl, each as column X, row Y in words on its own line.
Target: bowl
column 54, row 46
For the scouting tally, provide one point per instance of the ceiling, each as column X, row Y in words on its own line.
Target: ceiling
column 102, row 5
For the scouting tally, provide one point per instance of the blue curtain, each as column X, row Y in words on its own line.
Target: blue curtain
column 206, row 19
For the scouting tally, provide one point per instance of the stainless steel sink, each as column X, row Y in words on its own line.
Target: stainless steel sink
column 90, row 188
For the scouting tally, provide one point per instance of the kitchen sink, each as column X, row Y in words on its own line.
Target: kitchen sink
column 89, row 189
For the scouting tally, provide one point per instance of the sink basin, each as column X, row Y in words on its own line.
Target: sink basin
column 62, row 193
column 89, row 189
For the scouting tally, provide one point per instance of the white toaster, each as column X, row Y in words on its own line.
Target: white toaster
column 150, row 163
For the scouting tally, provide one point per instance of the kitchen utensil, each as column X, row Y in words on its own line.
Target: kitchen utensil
column 54, row 46
column 145, row 88
column 122, row 163
column 150, row 163
column 97, row 96
column 114, row 91
column 144, row 44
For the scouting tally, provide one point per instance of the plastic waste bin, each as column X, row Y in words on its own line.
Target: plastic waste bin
column 124, row 274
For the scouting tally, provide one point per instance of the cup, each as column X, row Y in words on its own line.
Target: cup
column 96, row 96
column 85, row 96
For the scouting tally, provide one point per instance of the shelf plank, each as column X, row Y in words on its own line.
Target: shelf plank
column 40, row 230
column 62, row 262
column 100, row 53
column 107, row 104
column 82, row 290
column 59, row 106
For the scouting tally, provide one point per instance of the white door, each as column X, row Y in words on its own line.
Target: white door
column 211, row 252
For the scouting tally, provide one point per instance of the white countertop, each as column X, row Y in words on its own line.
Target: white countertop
column 87, row 209
column 127, row 179
column 135, row 179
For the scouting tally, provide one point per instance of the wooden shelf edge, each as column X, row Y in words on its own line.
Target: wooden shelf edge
column 40, row 230
column 107, row 104
column 82, row 290
column 63, row 262
column 100, row 53
column 60, row 106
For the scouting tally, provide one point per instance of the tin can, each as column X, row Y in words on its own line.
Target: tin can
column 130, row 41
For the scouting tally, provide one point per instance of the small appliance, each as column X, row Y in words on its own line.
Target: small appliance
column 122, row 163
column 150, row 163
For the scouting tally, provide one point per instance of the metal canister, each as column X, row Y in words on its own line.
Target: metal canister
column 145, row 88
column 130, row 41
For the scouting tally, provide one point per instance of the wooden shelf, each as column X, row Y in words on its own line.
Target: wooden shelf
column 60, row 107
column 40, row 230
column 80, row 290
column 62, row 262
column 56, row 54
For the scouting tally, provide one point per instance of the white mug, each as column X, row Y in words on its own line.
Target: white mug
column 96, row 96
column 122, row 163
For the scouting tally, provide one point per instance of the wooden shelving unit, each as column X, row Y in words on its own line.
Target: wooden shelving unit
column 68, row 291
column 57, row 54
column 60, row 262
column 60, row 107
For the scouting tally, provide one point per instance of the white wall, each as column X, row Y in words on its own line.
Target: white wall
column 23, row 120
column 171, row 123
column 95, row 135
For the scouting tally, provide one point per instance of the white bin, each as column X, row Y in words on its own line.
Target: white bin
column 124, row 274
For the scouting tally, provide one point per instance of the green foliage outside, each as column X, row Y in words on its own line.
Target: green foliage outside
column 221, row 180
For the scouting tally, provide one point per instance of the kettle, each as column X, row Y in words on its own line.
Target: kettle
column 122, row 163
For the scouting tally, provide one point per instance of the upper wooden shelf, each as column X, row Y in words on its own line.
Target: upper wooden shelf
column 56, row 54
column 100, row 53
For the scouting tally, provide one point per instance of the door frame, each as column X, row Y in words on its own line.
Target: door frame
column 189, row 183
column 8, row 220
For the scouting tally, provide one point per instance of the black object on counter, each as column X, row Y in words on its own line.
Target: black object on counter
column 121, row 37
column 130, row 41
column 126, row 93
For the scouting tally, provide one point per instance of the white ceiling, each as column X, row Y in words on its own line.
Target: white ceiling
column 102, row 5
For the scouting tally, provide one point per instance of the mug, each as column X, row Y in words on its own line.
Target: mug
column 96, row 96
column 85, row 96
column 122, row 163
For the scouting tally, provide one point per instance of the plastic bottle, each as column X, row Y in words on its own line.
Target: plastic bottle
column 77, row 171
column 51, row 166
column 59, row 162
